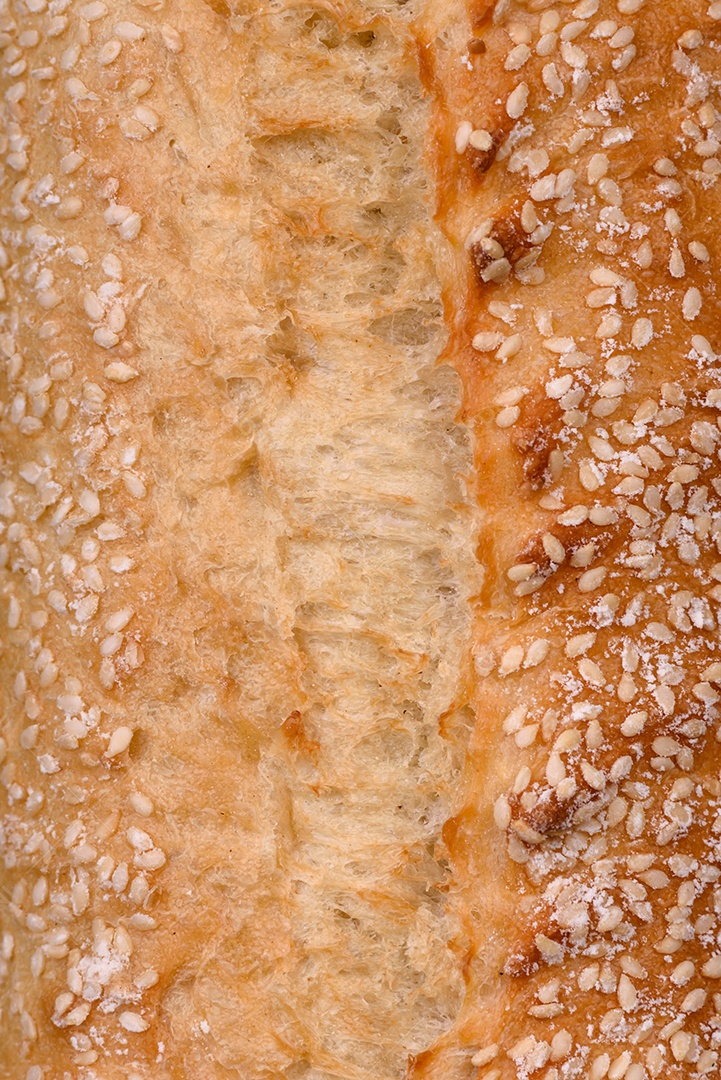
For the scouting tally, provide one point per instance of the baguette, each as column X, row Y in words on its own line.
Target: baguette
column 237, row 544
column 359, row 540
column 577, row 174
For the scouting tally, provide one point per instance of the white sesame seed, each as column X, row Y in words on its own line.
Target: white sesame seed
column 105, row 337
column 712, row 968
column 682, row 973
column 463, row 134
column 627, row 996
column 171, row 38
column 536, row 653
column 93, row 11
column 483, row 1057
column 517, row 101
column 691, row 39
column 507, row 417
column 546, row 44
column 141, row 803
column 128, row 31
column 134, row 485
column 574, row 56
column 691, row 304
column 502, row 812
column 593, row 777
column 552, row 81
column 694, row 1000
column 130, row 227
column 619, row 1067
column 146, row 979
column 120, row 372
column 698, row 251
column 109, row 52
column 89, row 502
column 511, row 660
column 119, row 620
column 544, row 189
column 77, row 89
column 592, row 579
column 132, row 1021
column 71, row 162
column 517, row 57
column 119, row 741
column 676, row 264
column 487, row 341
column 622, row 37
column 147, row 117
column 642, row 333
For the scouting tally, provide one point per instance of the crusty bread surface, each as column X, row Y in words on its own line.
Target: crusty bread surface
column 359, row 540
column 576, row 149
column 237, row 547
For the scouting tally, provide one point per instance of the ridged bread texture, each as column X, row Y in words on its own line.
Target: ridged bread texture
column 237, row 546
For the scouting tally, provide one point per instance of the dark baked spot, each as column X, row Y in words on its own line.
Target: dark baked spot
column 534, row 438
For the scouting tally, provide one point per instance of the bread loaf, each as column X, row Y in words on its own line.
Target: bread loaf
column 577, row 173
column 359, row 540
column 237, row 546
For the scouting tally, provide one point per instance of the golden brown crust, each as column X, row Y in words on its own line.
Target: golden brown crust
column 248, row 648
column 584, row 315
column 237, row 548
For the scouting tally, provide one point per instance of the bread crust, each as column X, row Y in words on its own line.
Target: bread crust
column 575, row 151
column 237, row 547
column 360, row 713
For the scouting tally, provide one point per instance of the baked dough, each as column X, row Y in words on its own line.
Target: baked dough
column 237, row 546
column 577, row 161
column 359, row 711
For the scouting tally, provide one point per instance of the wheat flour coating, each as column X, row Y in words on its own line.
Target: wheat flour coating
column 237, row 551
column 577, row 148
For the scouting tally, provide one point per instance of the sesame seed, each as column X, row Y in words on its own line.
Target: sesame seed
column 120, row 372
column 642, row 333
column 463, row 134
column 692, row 304
column 132, row 1021
column 109, row 52
column 592, row 579
column 517, row 101
column 487, row 341
column 507, row 417
column 171, row 38
column 128, row 31
column 119, row 741
column 483, row 1057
